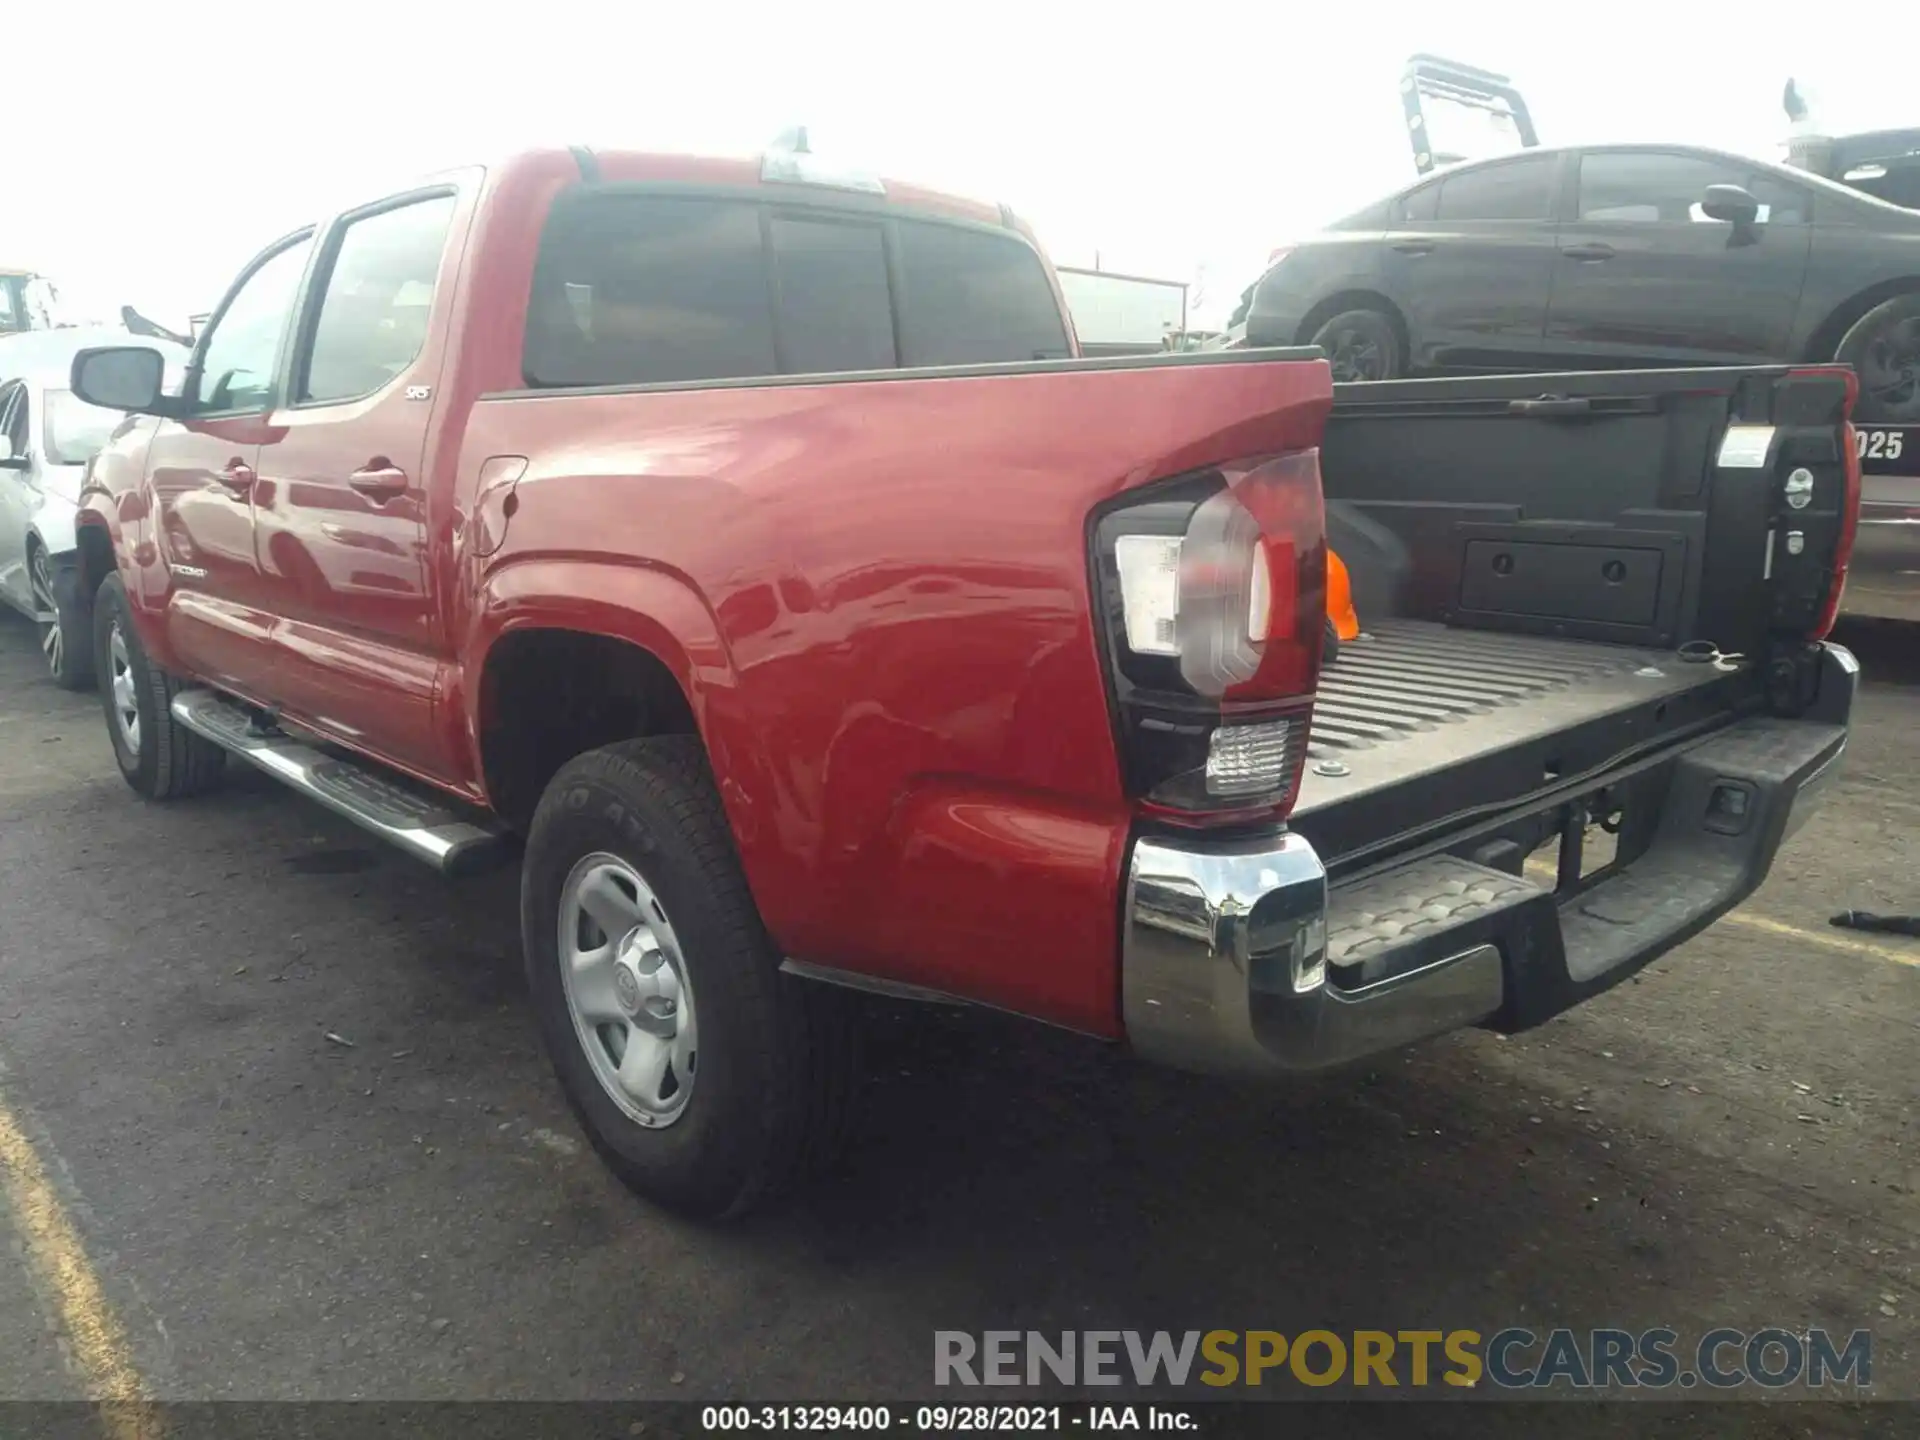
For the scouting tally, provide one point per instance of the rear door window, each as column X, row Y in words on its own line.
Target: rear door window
column 373, row 314
column 641, row 290
column 1511, row 190
column 1417, row 207
column 972, row 297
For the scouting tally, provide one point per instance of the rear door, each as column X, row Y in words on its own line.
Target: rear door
column 201, row 472
column 341, row 500
column 1644, row 277
column 1469, row 258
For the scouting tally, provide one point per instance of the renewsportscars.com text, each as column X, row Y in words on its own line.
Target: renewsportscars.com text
column 1510, row 1359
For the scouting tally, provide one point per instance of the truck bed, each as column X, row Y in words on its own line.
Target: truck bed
column 1528, row 553
column 1418, row 724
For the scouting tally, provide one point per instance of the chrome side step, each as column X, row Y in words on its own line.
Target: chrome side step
column 453, row 840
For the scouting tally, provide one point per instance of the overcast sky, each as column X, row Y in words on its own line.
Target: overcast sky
column 156, row 149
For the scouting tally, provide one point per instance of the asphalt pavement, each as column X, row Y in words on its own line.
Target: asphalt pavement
column 284, row 1095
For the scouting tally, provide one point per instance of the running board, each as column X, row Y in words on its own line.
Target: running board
column 452, row 840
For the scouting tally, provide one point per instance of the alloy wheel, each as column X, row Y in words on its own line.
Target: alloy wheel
column 1890, row 370
column 120, row 682
column 47, row 611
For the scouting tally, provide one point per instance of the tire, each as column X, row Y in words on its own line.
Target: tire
column 1883, row 347
column 1361, row 344
column 770, row 1072
column 158, row 756
column 66, row 637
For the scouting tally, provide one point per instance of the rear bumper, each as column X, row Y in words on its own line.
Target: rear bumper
column 1238, row 956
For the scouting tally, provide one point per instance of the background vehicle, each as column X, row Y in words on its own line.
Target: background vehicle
column 46, row 437
column 1882, row 163
column 1122, row 314
column 27, row 301
column 710, row 526
column 1629, row 256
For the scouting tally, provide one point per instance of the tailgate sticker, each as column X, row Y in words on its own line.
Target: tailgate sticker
column 1745, row 447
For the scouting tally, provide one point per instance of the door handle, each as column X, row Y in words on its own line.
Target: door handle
column 379, row 480
column 1552, row 405
column 238, row 476
column 1588, row 254
column 1415, row 248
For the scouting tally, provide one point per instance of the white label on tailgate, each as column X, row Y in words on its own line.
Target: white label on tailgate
column 1745, row 447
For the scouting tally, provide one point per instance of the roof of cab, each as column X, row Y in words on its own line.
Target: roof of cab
column 639, row 167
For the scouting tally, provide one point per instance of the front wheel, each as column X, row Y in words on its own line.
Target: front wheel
column 705, row 1077
column 66, row 639
column 1883, row 347
column 158, row 756
column 1360, row 345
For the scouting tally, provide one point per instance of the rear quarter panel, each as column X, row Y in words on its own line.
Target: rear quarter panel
column 1847, row 262
column 875, row 595
column 1325, row 266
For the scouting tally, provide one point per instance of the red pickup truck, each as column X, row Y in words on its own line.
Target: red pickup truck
column 745, row 547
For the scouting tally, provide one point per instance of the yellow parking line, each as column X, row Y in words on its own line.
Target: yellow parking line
column 67, row 1278
column 1833, row 940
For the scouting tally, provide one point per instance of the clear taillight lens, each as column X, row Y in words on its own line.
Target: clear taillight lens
column 1149, row 567
column 1249, row 759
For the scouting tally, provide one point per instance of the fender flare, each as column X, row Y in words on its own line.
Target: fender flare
column 653, row 608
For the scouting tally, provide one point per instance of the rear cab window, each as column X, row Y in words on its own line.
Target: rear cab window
column 634, row 288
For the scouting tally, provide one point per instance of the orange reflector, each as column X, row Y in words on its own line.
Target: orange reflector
column 1340, row 611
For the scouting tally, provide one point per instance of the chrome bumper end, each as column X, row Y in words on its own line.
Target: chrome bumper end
column 1224, row 965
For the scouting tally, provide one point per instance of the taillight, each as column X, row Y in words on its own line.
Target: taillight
column 1849, row 523
column 1212, row 590
column 1797, row 430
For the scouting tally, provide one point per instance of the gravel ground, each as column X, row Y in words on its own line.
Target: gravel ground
column 275, row 1214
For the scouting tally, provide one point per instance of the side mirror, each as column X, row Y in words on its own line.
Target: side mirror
column 1730, row 203
column 9, row 460
column 119, row 377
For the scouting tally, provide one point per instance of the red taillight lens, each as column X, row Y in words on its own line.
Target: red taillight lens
column 1849, row 524
column 1284, row 499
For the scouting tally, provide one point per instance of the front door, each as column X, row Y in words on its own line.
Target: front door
column 1469, row 258
column 340, row 507
column 1645, row 277
column 201, row 470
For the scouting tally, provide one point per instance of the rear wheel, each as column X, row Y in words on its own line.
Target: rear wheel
column 157, row 755
column 1883, row 348
column 705, row 1077
column 66, row 640
column 1361, row 344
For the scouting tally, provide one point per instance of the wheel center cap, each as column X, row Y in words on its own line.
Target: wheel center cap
column 626, row 986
